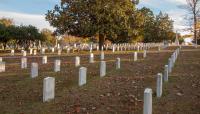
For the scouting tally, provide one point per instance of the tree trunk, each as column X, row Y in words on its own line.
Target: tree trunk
column 101, row 41
column 195, row 27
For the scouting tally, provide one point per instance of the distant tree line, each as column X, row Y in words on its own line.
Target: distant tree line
column 114, row 20
column 22, row 36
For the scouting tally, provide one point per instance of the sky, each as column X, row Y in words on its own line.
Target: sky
column 32, row 12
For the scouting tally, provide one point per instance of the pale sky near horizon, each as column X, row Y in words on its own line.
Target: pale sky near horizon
column 33, row 11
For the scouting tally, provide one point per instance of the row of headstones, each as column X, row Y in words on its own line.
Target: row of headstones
column 49, row 82
column 57, row 63
column 113, row 47
column 147, row 106
column 122, row 46
column 128, row 47
column 44, row 61
column 34, row 51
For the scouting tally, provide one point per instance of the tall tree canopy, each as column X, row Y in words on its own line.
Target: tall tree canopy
column 147, row 28
column 164, row 28
column 153, row 28
column 105, row 18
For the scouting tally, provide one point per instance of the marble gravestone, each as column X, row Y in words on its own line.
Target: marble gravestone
column 35, row 52
column 166, row 73
column 2, row 66
column 48, row 89
column 82, row 76
column 57, row 64
column 159, row 85
column 147, row 105
column 91, row 59
column 145, row 54
column 118, row 63
column 135, row 56
column 44, row 60
column 12, row 52
column 23, row 62
column 102, row 68
column 77, row 61
column 34, row 70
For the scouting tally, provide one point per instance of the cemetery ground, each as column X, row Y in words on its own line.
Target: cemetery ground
column 119, row 92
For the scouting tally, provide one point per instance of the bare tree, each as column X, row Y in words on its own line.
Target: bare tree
column 194, row 9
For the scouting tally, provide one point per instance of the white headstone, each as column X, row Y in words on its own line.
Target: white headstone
column 147, row 105
column 138, row 48
column 48, row 88
column 24, row 53
column 91, row 48
column 102, row 68
column 91, row 59
column 75, row 46
column 159, row 85
column 113, row 49
column 169, row 65
column 59, row 52
column 2, row 66
column 135, row 56
column 77, row 61
column 43, row 51
column 23, row 62
column 82, row 76
column 12, row 52
column 102, row 48
column 35, row 52
column 118, row 63
column 102, row 55
column 52, row 50
column 172, row 61
column 166, row 73
column 68, row 50
column 158, row 48
column 145, row 54
column 44, row 60
column 58, row 46
column 57, row 64
column 31, row 51
column 34, row 70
